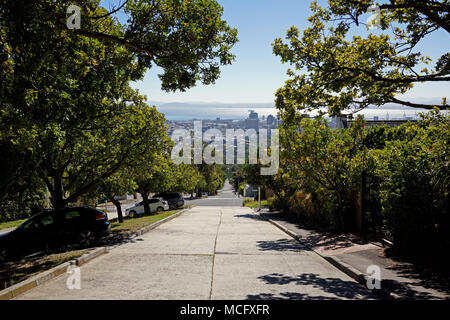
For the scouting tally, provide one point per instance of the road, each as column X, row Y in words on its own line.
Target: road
column 225, row 198
column 209, row 252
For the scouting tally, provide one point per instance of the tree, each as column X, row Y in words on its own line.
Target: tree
column 339, row 73
column 326, row 163
column 187, row 39
column 186, row 178
column 65, row 94
column 211, row 178
column 117, row 184
column 414, row 205
column 283, row 184
column 81, row 161
column 155, row 176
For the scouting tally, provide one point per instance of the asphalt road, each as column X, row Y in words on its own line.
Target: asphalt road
column 225, row 198
column 210, row 252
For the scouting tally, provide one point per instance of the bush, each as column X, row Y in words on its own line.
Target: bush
column 414, row 208
column 407, row 179
column 303, row 207
column 329, row 164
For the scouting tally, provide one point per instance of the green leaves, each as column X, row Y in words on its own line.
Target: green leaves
column 188, row 39
column 65, row 94
column 414, row 183
column 405, row 170
column 334, row 72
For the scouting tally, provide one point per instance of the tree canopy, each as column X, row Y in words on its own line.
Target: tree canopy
column 189, row 40
column 337, row 69
column 67, row 106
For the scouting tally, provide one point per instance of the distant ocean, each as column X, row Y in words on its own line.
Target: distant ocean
column 205, row 112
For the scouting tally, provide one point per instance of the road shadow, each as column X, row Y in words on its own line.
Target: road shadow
column 248, row 216
column 421, row 278
column 335, row 286
column 281, row 245
column 317, row 238
column 407, row 291
column 287, row 296
column 117, row 239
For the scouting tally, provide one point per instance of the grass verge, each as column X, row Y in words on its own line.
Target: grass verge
column 13, row 272
column 254, row 204
column 133, row 225
column 11, row 224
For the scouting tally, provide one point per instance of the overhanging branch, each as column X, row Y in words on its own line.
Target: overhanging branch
column 419, row 105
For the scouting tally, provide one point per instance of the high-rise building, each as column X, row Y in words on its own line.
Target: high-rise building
column 253, row 114
column 252, row 122
column 272, row 122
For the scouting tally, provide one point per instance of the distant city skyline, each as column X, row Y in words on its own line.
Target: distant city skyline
column 211, row 111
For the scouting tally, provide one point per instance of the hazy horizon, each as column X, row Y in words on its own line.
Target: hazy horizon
column 236, row 111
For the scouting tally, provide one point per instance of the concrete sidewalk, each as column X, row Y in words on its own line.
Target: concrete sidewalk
column 208, row 253
column 398, row 278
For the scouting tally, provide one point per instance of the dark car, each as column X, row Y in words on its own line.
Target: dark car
column 174, row 199
column 53, row 229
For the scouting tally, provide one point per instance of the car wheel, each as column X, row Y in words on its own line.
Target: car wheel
column 3, row 255
column 159, row 209
column 86, row 238
column 132, row 214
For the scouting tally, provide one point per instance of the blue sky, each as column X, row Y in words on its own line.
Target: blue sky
column 256, row 73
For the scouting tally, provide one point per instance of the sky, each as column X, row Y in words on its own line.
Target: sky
column 257, row 73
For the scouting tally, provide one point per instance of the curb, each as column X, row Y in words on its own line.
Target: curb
column 156, row 224
column 45, row 276
column 336, row 262
column 85, row 258
column 131, row 235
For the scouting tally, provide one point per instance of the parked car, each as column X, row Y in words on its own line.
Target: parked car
column 174, row 199
column 205, row 194
column 156, row 204
column 53, row 229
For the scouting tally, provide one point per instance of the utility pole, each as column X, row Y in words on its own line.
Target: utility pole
column 259, row 197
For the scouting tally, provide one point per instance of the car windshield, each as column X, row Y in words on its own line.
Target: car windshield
column 29, row 221
column 41, row 219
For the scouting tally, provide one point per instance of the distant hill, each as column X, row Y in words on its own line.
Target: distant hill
column 199, row 104
column 211, row 105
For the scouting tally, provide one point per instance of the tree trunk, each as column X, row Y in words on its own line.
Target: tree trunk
column 56, row 191
column 118, row 207
column 146, row 203
column 57, row 197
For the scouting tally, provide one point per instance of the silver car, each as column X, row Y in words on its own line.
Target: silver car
column 156, row 205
